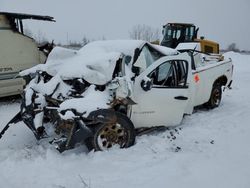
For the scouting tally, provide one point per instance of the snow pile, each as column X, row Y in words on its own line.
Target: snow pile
column 95, row 62
column 92, row 100
column 95, row 67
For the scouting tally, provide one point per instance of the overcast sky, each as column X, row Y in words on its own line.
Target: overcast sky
column 225, row 21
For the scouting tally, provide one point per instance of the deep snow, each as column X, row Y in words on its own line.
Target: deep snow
column 211, row 150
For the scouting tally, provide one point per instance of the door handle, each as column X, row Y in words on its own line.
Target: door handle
column 181, row 98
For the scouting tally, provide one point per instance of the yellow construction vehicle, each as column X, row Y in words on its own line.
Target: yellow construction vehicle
column 176, row 33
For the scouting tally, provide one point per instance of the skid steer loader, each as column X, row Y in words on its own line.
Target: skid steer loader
column 176, row 33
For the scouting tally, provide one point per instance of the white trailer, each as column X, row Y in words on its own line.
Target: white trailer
column 17, row 51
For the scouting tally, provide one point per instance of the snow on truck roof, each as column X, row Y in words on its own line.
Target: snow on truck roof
column 94, row 62
column 126, row 47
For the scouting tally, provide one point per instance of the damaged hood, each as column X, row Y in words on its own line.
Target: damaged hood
column 95, row 62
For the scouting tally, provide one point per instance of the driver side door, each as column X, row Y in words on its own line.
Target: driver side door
column 165, row 102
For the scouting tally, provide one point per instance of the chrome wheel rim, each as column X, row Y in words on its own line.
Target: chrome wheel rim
column 216, row 97
column 112, row 135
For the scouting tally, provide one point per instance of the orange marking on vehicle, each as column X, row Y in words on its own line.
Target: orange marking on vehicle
column 196, row 78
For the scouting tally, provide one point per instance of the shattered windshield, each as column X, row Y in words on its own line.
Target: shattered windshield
column 147, row 57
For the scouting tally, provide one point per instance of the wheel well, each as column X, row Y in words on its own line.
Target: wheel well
column 221, row 80
column 121, row 108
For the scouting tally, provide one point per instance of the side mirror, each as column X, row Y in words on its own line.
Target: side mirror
column 146, row 84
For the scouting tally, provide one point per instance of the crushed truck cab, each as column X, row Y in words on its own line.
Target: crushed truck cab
column 109, row 91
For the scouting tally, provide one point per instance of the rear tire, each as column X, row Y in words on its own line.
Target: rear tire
column 116, row 129
column 215, row 97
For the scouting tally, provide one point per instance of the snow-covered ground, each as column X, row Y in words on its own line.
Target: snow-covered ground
column 211, row 150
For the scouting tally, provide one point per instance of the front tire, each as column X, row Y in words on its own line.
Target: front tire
column 116, row 129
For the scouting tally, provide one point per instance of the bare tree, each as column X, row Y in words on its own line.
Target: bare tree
column 41, row 37
column 103, row 38
column 74, row 44
column 85, row 41
column 233, row 47
column 144, row 32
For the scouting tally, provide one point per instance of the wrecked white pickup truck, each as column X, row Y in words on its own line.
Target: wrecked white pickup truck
column 108, row 91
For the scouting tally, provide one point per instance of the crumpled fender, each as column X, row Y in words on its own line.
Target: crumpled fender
column 103, row 115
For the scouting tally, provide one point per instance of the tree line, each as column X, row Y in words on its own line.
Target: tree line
column 137, row 32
